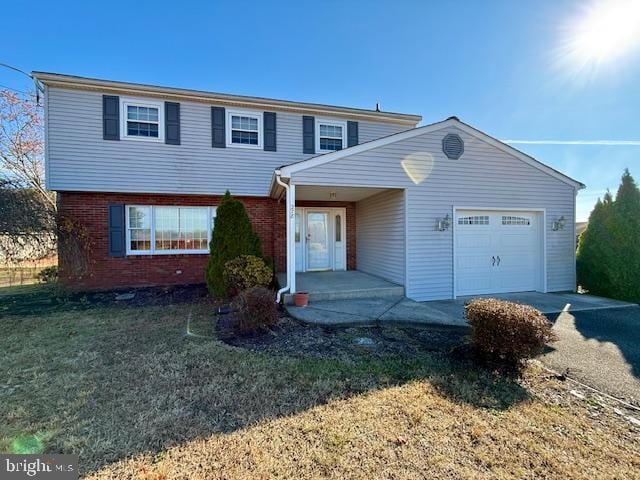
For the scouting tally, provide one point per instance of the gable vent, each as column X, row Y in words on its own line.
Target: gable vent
column 452, row 146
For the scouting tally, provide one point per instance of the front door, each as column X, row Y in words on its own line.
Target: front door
column 317, row 240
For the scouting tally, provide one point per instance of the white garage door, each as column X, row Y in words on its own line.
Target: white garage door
column 497, row 252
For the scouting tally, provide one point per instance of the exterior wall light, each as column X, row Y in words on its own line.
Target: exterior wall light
column 558, row 224
column 443, row 223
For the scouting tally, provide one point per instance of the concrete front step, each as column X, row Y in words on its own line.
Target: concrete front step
column 379, row 292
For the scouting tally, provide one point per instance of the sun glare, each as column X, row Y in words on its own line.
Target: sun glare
column 608, row 30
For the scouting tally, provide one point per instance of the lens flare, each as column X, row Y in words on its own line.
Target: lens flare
column 607, row 30
column 418, row 166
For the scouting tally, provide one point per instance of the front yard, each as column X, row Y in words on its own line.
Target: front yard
column 150, row 392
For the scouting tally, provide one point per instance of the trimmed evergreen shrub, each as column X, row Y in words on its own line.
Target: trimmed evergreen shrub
column 247, row 271
column 232, row 236
column 608, row 258
column 256, row 309
column 507, row 331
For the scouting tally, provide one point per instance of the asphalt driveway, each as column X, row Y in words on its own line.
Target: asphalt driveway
column 601, row 348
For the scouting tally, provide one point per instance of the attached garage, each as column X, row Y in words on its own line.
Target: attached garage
column 478, row 216
column 498, row 251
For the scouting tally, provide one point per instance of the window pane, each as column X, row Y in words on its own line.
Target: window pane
column 140, row 239
column 334, row 131
column 138, row 129
column 244, row 138
column 132, row 113
column 193, row 229
column 330, row 144
column 181, row 228
column 139, row 217
column 297, row 227
column 166, row 228
column 338, row 228
column 244, row 123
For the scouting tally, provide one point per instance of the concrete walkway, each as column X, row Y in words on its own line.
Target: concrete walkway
column 442, row 312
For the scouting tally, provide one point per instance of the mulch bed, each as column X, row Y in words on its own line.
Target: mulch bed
column 296, row 339
column 49, row 299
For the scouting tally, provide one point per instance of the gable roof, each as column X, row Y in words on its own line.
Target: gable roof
column 287, row 170
column 86, row 83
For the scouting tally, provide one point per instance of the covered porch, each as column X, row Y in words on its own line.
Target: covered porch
column 342, row 285
column 343, row 242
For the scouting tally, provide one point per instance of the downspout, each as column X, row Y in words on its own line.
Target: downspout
column 287, row 262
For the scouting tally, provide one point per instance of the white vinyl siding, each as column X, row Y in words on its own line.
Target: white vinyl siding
column 79, row 159
column 380, row 235
column 483, row 177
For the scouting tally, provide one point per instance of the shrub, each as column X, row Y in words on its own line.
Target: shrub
column 247, row 271
column 232, row 236
column 48, row 274
column 507, row 331
column 256, row 309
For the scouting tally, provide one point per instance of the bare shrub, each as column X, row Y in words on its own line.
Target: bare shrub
column 256, row 309
column 507, row 331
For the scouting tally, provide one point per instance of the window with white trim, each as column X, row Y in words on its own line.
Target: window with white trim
column 474, row 220
column 244, row 129
column 330, row 135
column 168, row 230
column 511, row 220
column 142, row 120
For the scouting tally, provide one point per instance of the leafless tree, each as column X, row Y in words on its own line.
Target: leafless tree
column 27, row 209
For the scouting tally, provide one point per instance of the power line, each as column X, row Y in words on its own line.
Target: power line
column 36, row 82
column 14, row 89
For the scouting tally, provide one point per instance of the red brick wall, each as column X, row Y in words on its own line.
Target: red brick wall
column 103, row 272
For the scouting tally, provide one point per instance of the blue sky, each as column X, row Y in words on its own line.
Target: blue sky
column 499, row 65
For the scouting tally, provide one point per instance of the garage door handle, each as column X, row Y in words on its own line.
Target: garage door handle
column 498, row 260
column 493, row 261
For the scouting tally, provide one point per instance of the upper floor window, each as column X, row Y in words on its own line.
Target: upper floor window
column 142, row 120
column 330, row 135
column 244, row 129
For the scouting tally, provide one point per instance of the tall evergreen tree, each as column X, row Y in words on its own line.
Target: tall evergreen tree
column 593, row 250
column 608, row 259
column 625, row 234
column 232, row 236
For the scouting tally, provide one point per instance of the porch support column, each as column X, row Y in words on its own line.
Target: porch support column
column 291, row 240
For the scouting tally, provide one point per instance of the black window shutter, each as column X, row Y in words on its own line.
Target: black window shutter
column 269, row 125
column 308, row 134
column 116, row 231
column 218, row 134
column 110, row 117
column 172, row 123
column 352, row 134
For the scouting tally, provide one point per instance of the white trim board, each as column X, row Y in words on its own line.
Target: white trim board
column 287, row 170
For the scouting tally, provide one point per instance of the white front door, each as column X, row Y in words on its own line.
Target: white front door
column 320, row 239
column 498, row 252
column 317, row 239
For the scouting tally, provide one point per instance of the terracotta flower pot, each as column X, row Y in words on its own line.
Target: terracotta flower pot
column 301, row 299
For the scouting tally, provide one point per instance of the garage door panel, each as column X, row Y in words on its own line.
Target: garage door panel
column 477, row 241
column 513, row 239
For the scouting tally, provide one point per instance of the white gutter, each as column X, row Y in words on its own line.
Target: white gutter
column 287, row 262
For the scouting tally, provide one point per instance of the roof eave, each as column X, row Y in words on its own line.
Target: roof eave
column 70, row 81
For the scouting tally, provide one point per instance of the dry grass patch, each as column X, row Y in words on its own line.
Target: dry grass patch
column 135, row 397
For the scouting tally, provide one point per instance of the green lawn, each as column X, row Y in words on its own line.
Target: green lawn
column 136, row 396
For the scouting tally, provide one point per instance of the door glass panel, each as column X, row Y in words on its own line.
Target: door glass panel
column 338, row 228
column 318, row 241
column 297, row 227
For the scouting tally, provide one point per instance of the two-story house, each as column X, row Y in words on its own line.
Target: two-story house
column 441, row 209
